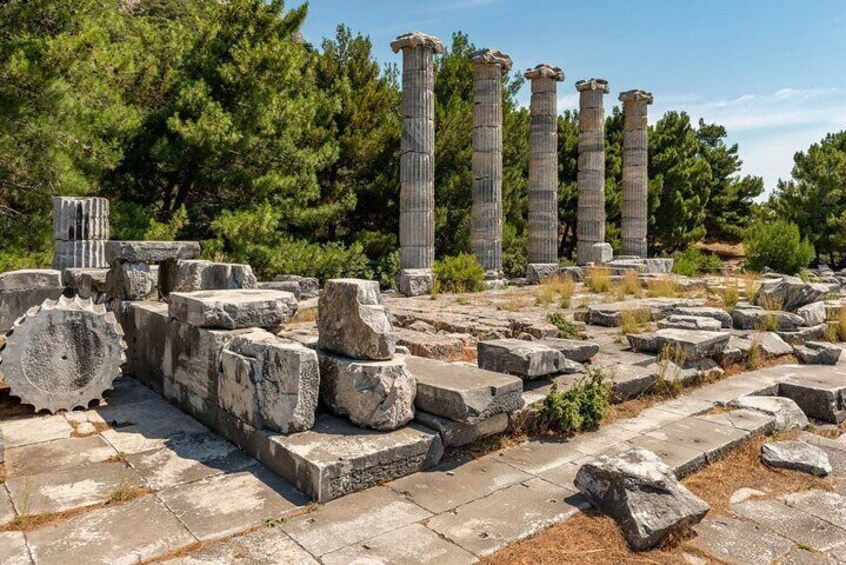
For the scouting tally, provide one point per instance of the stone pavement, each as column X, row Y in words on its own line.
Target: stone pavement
column 194, row 487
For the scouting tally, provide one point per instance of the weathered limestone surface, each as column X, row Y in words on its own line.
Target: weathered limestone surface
column 818, row 353
column 755, row 317
column 705, row 312
column 336, row 458
column 233, row 309
column 352, row 321
column 652, row 265
column 302, row 287
column 194, row 275
column 269, row 383
column 695, row 344
column 525, row 359
column 417, row 157
column 573, row 349
column 127, row 280
column 462, row 392
column 690, row 323
column 821, row 395
column 814, row 313
column 635, row 172
column 146, row 327
column 151, row 251
column 80, row 228
column 590, row 224
column 85, row 283
column 29, row 279
column 21, row 290
column 642, row 494
column 543, row 173
column 373, row 394
column 791, row 293
column 657, row 308
column 787, row 414
column 456, row 434
column 416, row 282
column 486, row 212
column 63, row 354
column 797, row 456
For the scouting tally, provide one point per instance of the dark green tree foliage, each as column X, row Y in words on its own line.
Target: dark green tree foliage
column 568, row 191
column 815, row 199
column 778, row 245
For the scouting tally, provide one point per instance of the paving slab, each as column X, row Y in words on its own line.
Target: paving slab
column 353, row 519
column 462, row 392
column 146, row 425
column 792, row 523
column 227, row 504
column 127, row 390
column 746, row 420
column 57, row 454
column 115, row 535
column 686, row 406
column 414, row 544
column 539, row 455
column 34, row 429
column 681, row 459
column 591, row 443
column 454, row 483
column 264, row 547
column 13, row 550
column 525, row 359
column 506, row 516
column 738, row 541
column 7, row 511
column 57, row 491
column 565, row 475
column 835, row 450
column 819, row 392
column 188, row 458
column 712, row 439
column 650, row 419
column 828, row 506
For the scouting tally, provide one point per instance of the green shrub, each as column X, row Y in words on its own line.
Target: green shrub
column 777, row 245
column 693, row 262
column 567, row 329
column 581, row 407
column 461, row 273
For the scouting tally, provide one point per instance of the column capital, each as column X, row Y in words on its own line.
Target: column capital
column 417, row 39
column 544, row 71
column 636, row 95
column 492, row 57
column 593, row 84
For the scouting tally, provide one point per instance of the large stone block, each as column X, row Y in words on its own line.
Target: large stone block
column 269, row 383
column 820, row 394
column 796, row 456
column 573, row 349
column 145, row 325
column 608, row 314
column 791, row 293
column 353, row 322
column 30, row 279
column 818, row 353
column 690, row 323
column 462, row 392
column 373, row 394
column 456, row 434
column 754, row 317
column 151, row 251
column 15, row 303
column 416, row 282
column 525, row 359
column 694, row 344
column 192, row 276
column 233, row 309
column 705, row 312
column 642, row 494
column 814, row 314
column 85, row 283
column 130, row 281
column 787, row 414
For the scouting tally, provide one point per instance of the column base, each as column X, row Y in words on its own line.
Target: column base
column 601, row 253
column 536, row 273
column 416, row 282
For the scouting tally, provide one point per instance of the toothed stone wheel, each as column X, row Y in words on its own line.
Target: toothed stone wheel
column 63, row 354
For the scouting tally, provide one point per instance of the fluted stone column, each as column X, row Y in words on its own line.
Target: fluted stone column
column 635, row 173
column 417, row 161
column 543, row 173
column 486, row 214
column 590, row 222
column 80, row 230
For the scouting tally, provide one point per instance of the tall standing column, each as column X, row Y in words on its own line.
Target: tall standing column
column 486, row 214
column 543, row 173
column 590, row 223
column 417, row 161
column 635, row 172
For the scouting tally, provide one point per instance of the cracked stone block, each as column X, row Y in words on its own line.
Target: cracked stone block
column 145, row 327
column 13, row 549
column 85, row 283
column 456, row 434
column 642, row 494
column 462, row 392
column 787, row 414
column 705, row 312
column 573, row 349
column 269, row 382
column 754, row 317
column 821, row 396
column 796, row 456
column 694, row 344
column 818, row 353
column 150, row 251
column 233, row 309
column 335, row 458
column 196, row 275
column 525, row 359
column 676, row 321
column 373, row 394
column 353, row 322
column 814, row 314
column 416, row 282
column 127, row 280
column 791, row 293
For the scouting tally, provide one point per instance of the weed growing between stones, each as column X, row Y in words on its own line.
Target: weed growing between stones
column 769, row 323
column 671, row 360
column 579, row 408
column 559, row 286
column 771, row 303
column 730, row 297
column 567, row 328
column 598, row 279
column 665, row 287
column 750, row 286
column 753, row 358
column 634, row 321
column 630, row 284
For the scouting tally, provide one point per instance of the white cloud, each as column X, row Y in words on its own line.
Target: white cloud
column 568, row 102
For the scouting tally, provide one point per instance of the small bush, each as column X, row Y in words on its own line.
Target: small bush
column 461, row 273
column 693, row 262
column 777, row 245
column 582, row 407
column 567, row 328
column 598, row 279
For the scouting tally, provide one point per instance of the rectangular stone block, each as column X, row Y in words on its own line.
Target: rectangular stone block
column 456, row 434
column 462, row 392
column 195, row 275
column 145, row 327
column 15, row 303
column 820, row 393
column 30, row 279
column 525, row 359
column 233, row 309
column 151, row 251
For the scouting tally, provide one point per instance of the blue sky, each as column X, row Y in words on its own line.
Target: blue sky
column 772, row 71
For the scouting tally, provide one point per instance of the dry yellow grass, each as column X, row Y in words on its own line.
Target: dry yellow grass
column 665, row 287
column 634, row 321
column 751, row 284
column 556, row 288
column 730, row 297
column 598, row 279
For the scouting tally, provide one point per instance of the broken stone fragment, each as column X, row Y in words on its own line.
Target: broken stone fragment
column 233, row 309
column 791, row 293
column 269, row 383
column 690, row 323
column 818, row 353
column 353, row 322
column 705, row 312
column 694, row 344
column 820, row 394
column 573, row 349
column 85, row 283
column 150, row 251
column 796, row 456
column 525, row 359
column 787, row 414
column 814, row 314
column 373, row 394
column 641, row 493
column 127, row 280
column 191, row 276
column 755, row 318
column 456, row 434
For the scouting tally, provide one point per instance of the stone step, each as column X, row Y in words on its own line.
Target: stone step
column 525, row 359
column 658, row 308
column 695, row 344
column 819, row 390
